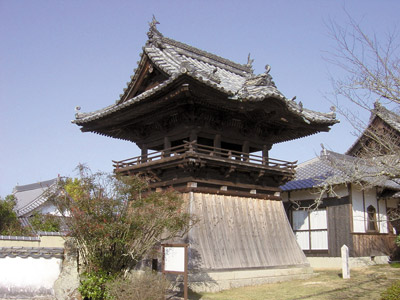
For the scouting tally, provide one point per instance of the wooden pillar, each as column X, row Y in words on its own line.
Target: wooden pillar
column 246, row 150
column 217, row 144
column 193, row 138
column 193, row 135
column 144, row 154
column 167, row 145
column 217, row 141
column 265, row 155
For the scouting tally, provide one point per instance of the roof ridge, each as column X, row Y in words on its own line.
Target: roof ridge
column 384, row 113
column 33, row 186
column 209, row 55
column 308, row 162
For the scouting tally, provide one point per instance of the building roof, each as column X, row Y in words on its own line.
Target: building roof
column 35, row 252
column 177, row 60
column 30, row 196
column 334, row 168
column 387, row 116
column 390, row 117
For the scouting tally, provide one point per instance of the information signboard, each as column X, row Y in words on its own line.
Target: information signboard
column 175, row 261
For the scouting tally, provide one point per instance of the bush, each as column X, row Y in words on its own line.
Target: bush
column 147, row 285
column 116, row 221
column 393, row 292
column 9, row 223
column 47, row 222
column 93, row 286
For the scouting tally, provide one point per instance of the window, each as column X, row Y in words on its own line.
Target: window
column 311, row 229
column 371, row 220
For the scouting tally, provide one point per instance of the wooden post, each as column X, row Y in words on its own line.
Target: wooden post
column 167, row 145
column 144, row 154
column 217, row 143
column 246, row 150
column 193, row 139
column 193, row 135
column 185, row 276
column 345, row 262
column 265, row 155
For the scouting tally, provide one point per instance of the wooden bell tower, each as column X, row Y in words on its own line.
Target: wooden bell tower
column 204, row 125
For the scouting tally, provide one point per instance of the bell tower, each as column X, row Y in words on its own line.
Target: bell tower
column 205, row 125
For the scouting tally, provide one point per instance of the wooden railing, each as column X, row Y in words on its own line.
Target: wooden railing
column 193, row 147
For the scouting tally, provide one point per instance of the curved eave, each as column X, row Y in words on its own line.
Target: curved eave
column 307, row 115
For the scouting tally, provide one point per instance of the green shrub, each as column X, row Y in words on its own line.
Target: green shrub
column 93, row 286
column 393, row 292
column 45, row 222
column 9, row 223
column 146, row 285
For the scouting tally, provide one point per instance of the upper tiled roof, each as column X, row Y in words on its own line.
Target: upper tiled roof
column 30, row 196
column 177, row 59
column 333, row 166
column 389, row 117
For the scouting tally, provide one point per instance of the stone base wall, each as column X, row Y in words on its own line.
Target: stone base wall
column 223, row 280
column 355, row 262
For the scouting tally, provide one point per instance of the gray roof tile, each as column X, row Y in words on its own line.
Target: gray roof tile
column 315, row 172
column 236, row 80
column 30, row 196
column 389, row 117
column 35, row 252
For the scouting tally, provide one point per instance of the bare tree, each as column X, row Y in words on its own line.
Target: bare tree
column 371, row 83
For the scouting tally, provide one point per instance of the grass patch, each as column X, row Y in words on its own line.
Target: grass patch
column 367, row 283
column 395, row 265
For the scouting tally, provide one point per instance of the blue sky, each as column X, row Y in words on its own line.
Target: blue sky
column 56, row 55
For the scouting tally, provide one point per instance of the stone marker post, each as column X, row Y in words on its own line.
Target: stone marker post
column 345, row 262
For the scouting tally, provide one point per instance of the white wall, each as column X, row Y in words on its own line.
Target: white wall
column 360, row 202
column 28, row 276
column 358, row 210
column 382, row 217
column 48, row 208
column 310, row 194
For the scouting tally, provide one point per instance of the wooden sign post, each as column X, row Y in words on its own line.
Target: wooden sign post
column 175, row 261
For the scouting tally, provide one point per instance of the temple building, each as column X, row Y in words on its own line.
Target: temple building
column 205, row 125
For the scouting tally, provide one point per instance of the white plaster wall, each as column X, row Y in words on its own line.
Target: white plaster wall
column 358, row 210
column 28, row 276
column 370, row 199
column 382, row 217
column 48, row 208
column 310, row 194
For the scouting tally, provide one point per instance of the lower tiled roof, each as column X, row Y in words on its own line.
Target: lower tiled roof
column 35, row 252
column 335, row 167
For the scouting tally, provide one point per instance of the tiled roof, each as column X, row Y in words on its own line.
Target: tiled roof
column 30, row 196
column 334, row 167
column 235, row 80
column 389, row 117
column 35, row 252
